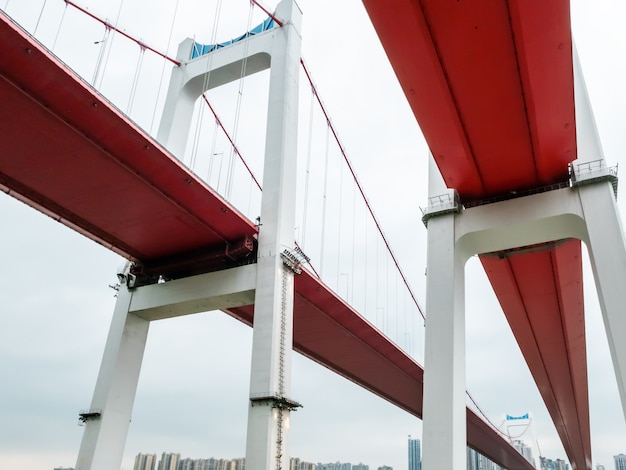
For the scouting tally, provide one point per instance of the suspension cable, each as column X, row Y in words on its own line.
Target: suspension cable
column 167, row 48
column 309, row 263
column 316, row 94
column 266, row 11
column 232, row 142
column 484, row 415
column 356, row 180
column 117, row 30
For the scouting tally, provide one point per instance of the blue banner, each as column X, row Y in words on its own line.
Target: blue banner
column 201, row 49
column 512, row 418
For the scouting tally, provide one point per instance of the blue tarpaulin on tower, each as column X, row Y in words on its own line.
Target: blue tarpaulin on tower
column 201, row 49
column 512, row 418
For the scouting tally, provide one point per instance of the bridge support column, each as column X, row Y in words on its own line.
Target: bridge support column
column 607, row 251
column 270, row 377
column 107, row 421
column 444, row 418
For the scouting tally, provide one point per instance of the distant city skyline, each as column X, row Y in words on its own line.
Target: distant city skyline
column 173, row 461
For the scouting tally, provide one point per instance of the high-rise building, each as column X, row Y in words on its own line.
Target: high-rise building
column 620, row 462
column 360, row 466
column 549, row 464
column 561, row 465
column 169, row 461
column 297, row 464
column 477, row 461
column 145, row 462
column 525, row 450
column 385, row 467
column 600, row 467
column 415, row 454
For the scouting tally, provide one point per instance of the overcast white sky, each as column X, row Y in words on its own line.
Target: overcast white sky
column 192, row 395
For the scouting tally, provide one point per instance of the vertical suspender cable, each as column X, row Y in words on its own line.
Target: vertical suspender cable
column 388, row 310
column 365, row 289
column 376, row 273
column 103, row 43
column 308, row 168
column 397, row 307
column 133, row 89
column 167, row 49
column 324, row 198
column 6, row 5
column 362, row 192
column 339, row 225
column 195, row 145
column 213, row 154
column 110, row 45
column 244, row 63
column 54, row 43
column 205, row 84
column 40, row 15
column 353, row 239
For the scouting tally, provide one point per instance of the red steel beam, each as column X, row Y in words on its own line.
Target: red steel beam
column 491, row 85
column 546, row 315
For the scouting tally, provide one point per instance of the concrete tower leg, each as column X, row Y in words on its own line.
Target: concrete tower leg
column 107, row 421
column 607, row 251
column 444, row 416
column 270, row 377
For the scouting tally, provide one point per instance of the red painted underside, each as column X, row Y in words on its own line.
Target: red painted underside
column 546, row 315
column 491, row 85
column 69, row 153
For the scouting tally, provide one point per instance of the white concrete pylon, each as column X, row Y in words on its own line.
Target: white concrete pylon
column 107, row 421
column 270, row 377
column 444, row 415
column 272, row 283
column 607, row 252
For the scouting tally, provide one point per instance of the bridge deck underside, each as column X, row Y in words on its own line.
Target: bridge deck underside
column 69, row 153
column 490, row 83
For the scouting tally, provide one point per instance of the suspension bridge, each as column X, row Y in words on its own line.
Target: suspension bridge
column 176, row 239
